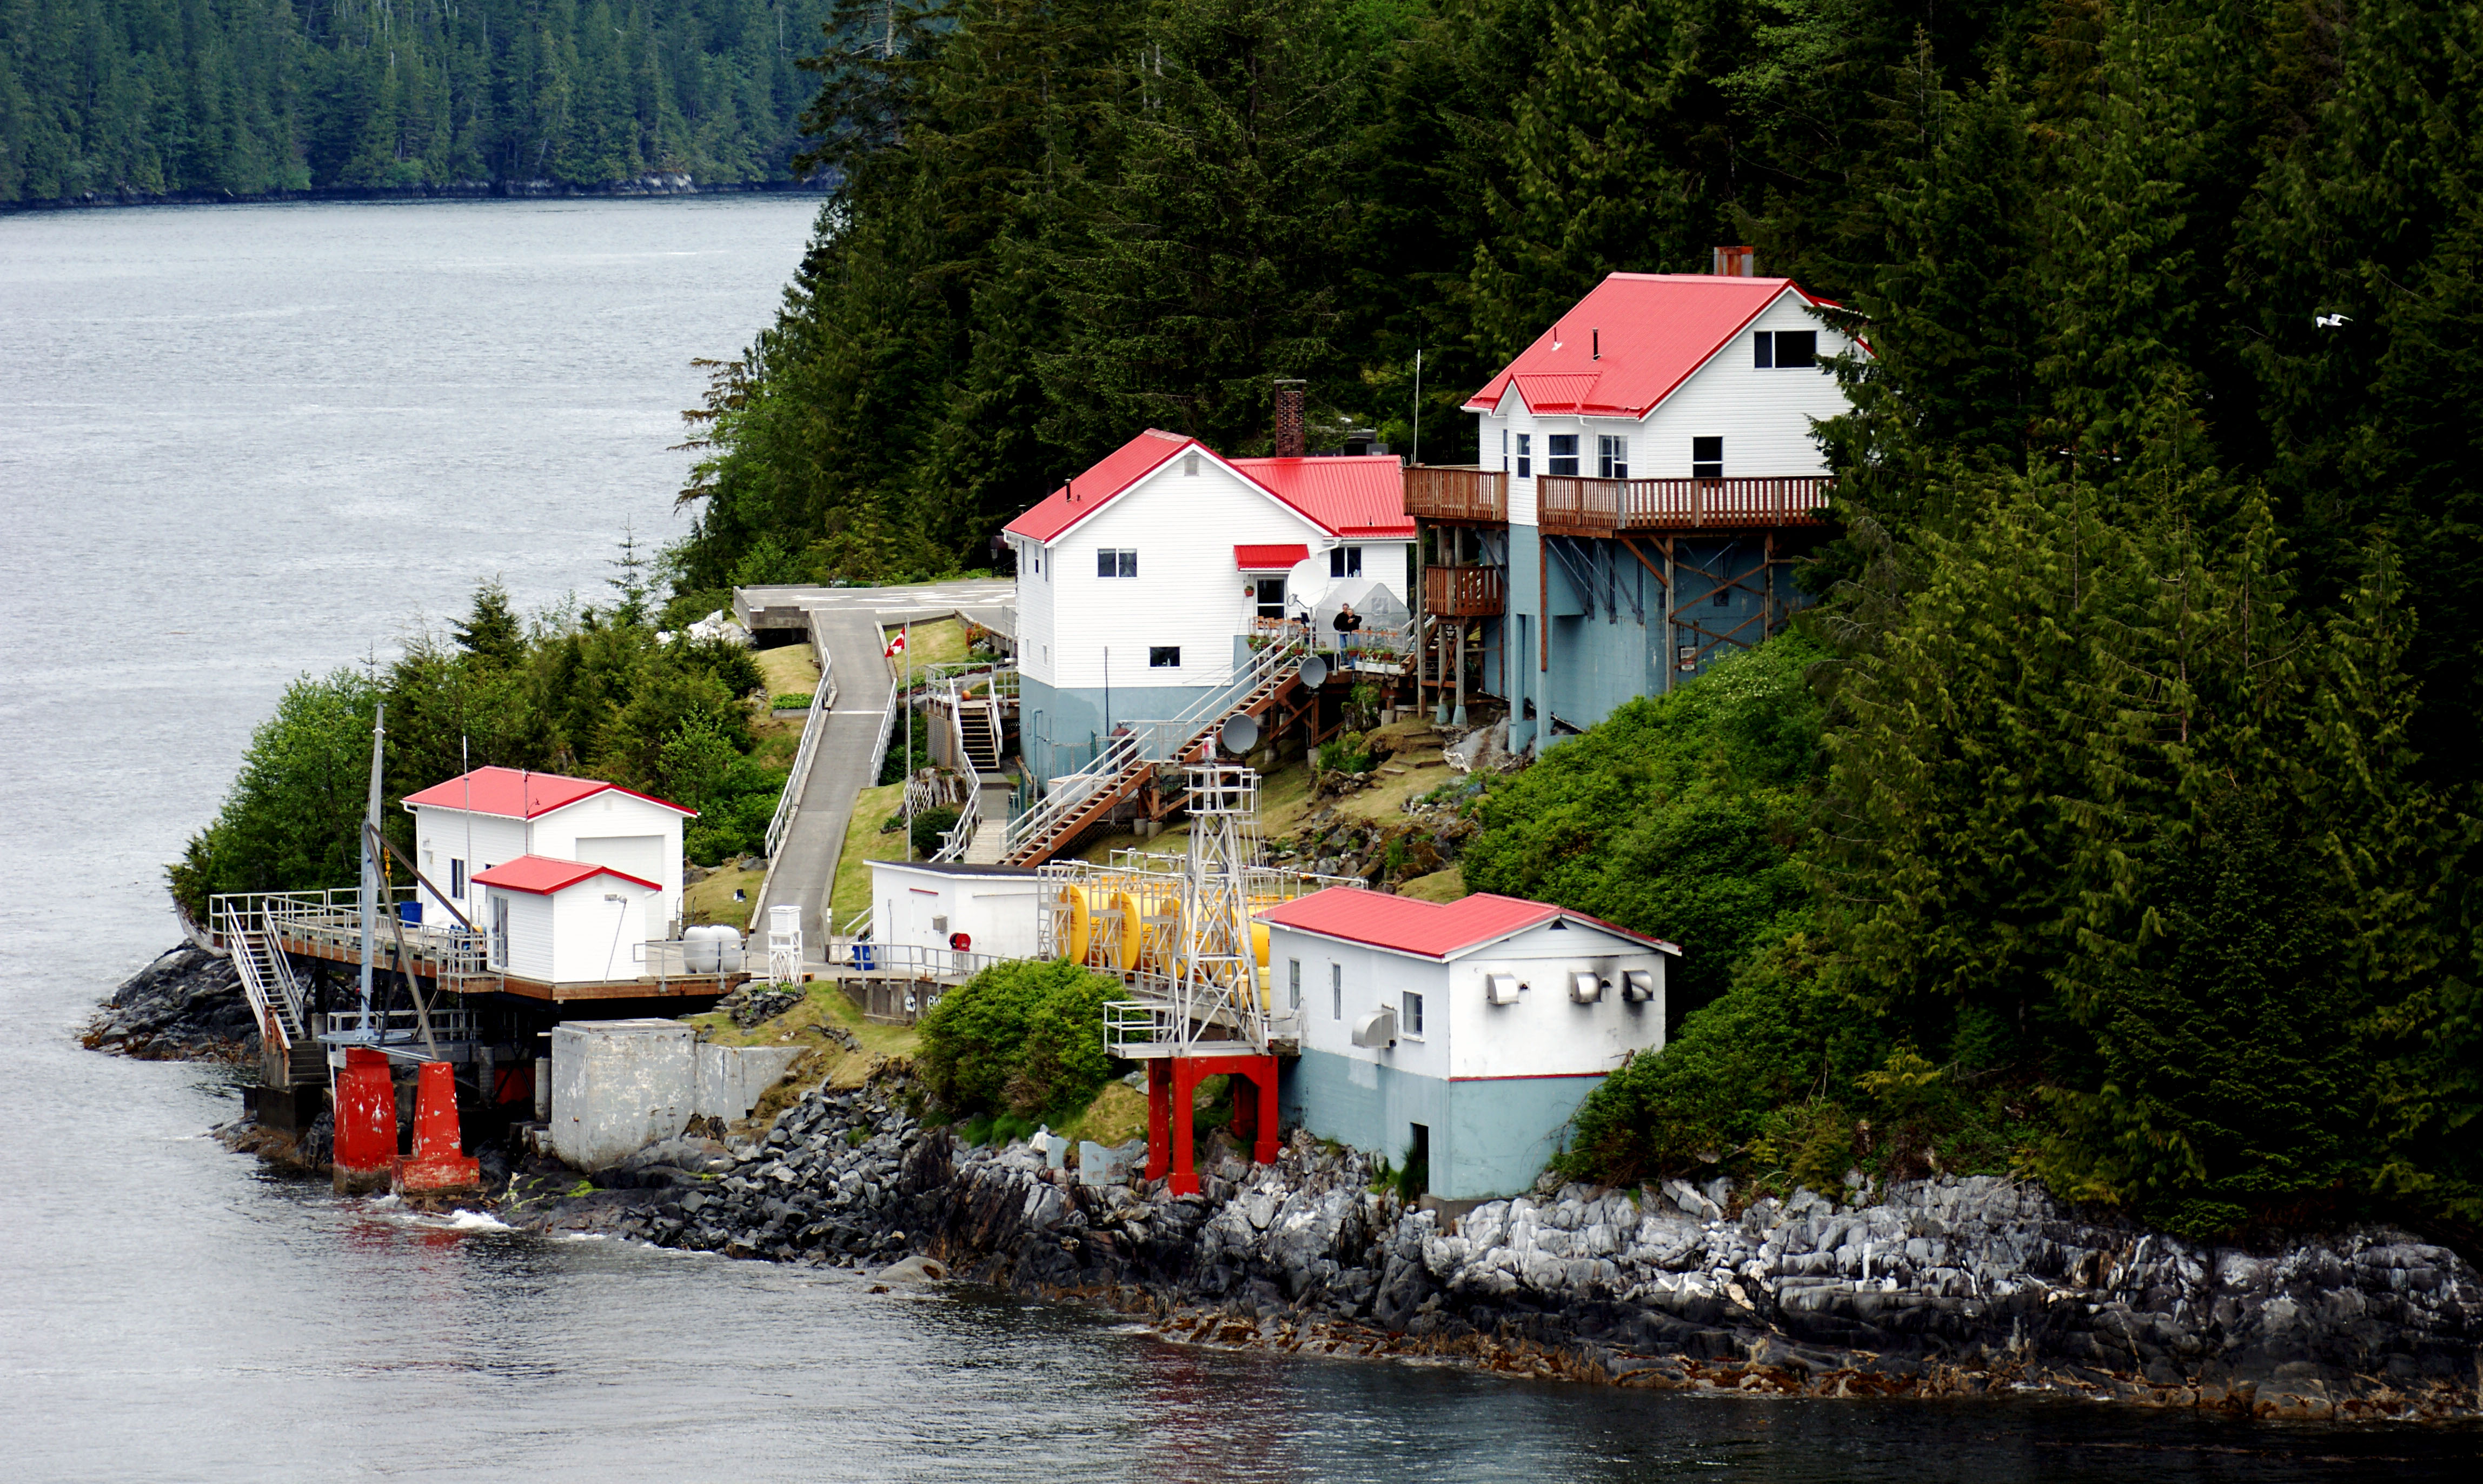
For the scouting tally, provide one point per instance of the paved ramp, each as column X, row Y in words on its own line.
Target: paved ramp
column 848, row 619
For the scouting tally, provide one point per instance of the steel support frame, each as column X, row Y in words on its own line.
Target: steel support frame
column 1172, row 1090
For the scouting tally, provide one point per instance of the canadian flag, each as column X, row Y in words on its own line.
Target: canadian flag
column 896, row 645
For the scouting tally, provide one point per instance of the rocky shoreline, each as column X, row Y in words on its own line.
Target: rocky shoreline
column 185, row 1006
column 1933, row 1289
column 1938, row 1288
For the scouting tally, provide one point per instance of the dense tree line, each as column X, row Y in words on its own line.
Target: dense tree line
column 2118, row 828
column 593, row 692
column 250, row 96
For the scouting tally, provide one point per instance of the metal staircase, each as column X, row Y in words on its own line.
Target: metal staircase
column 978, row 734
column 275, row 997
column 1081, row 800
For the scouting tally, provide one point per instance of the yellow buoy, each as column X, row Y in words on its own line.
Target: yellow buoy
column 1082, row 923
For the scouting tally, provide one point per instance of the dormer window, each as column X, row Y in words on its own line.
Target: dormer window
column 1784, row 350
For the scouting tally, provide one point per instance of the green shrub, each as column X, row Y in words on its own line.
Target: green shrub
column 929, row 826
column 1024, row 1038
column 790, row 701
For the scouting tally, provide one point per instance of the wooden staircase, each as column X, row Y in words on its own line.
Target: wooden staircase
column 1083, row 800
column 979, row 733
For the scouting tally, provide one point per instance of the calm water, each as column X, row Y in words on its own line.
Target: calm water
column 236, row 443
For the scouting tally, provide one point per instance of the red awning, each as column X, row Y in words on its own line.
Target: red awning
column 1269, row 559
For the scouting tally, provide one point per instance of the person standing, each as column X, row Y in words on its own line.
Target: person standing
column 1347, row 625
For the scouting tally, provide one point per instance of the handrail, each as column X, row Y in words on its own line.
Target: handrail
column 1125, row 751
column 887, row 730
column 823, row 697
column 1568, row 505
column 957, row 837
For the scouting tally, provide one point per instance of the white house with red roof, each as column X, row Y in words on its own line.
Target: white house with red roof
column 1138, row 580
column 494, row 839
column 565, row 922
column 1463, row 1035
column 1649, row 473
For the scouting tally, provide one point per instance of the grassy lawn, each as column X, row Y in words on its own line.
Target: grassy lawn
column 864, row 842
column 712, row 900
column 939, row 642
column 826, row 1062
column 790, row 668
column 1439, row 887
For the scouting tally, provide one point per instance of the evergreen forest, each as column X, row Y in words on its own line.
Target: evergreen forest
column 127, row 98
column 2109, row 821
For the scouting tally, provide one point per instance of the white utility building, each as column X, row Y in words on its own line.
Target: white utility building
column 491, row 816
column 1463, row 1035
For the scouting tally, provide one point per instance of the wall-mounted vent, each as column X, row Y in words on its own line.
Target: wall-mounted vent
column 1378, row 1028
column 1587, row 987
column 1501, row 989
column 1638, row 985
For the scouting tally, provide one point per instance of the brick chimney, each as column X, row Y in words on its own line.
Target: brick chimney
column 1289, row 419
column 1736, row 263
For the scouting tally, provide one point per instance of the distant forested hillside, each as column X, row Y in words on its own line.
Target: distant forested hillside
column 248, row 96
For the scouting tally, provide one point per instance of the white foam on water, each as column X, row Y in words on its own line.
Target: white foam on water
column 463, row 1220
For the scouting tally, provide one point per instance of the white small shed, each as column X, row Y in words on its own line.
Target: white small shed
column 475, row 821
column 924, row 904
column 1463, row 1035
column 559, row 922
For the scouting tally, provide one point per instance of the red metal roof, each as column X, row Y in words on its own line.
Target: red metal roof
column 545, row 875
column 1431, row 930
column 1363, row 495
column 1358, row 496
column 498, row 791
column 1113, row 473
column 1266, row 559
column 1652, row 330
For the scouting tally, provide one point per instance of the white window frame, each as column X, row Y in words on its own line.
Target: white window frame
column 1409, row 1016
column 1124, row 559
column 1611, row 456
column 1336, row 992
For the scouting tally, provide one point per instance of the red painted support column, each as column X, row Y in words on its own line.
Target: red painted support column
column 1264, row 1151
column 439, row 1165
column 1158, row 1118
column 366, row 1122
column 1184, row 1089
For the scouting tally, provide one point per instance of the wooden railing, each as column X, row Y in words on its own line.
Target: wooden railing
column 1606, row 506
column 1445, row 493
column 1464, row 592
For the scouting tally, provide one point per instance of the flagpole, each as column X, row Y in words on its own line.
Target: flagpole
column 905, row 802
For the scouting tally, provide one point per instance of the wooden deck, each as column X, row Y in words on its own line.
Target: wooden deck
column 431, row 965
column 1610, row 507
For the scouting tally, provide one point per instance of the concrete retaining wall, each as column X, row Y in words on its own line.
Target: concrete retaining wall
column 617, row 1086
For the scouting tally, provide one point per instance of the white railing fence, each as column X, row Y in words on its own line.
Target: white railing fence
column 823, row 699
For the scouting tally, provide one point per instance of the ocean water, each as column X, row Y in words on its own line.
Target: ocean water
column 238, row 444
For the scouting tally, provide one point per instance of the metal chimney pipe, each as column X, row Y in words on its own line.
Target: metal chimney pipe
column 1289, row 418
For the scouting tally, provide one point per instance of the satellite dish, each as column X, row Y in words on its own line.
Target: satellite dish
column 1240, row 734
column 1314, row 671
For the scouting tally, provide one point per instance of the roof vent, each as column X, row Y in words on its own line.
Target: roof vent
column 1736, row 263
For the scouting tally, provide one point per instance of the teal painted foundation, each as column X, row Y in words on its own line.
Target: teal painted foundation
column 1060, row 727
column 1489, row 1138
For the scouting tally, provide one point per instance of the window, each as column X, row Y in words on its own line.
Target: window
column 1271, row 597
column 457, row 878
column 1784, row 350
column 1336, row 992
column 1707, row 457
column 1412, row 1029
column 1189, row 467
column 1503, row 450
column 1293, row 967
column 1115, row 561
column 499, row 931
column 1612, row 458
column 1345, row 561
column 1036, row 553
column 1560, row 454
column 1525, row 448
column 1164, row 656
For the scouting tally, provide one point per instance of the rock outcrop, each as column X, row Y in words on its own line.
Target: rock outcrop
column 1948, row 1286
column 185, row 1006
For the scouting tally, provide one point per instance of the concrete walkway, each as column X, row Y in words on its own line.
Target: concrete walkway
column 805, row 870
